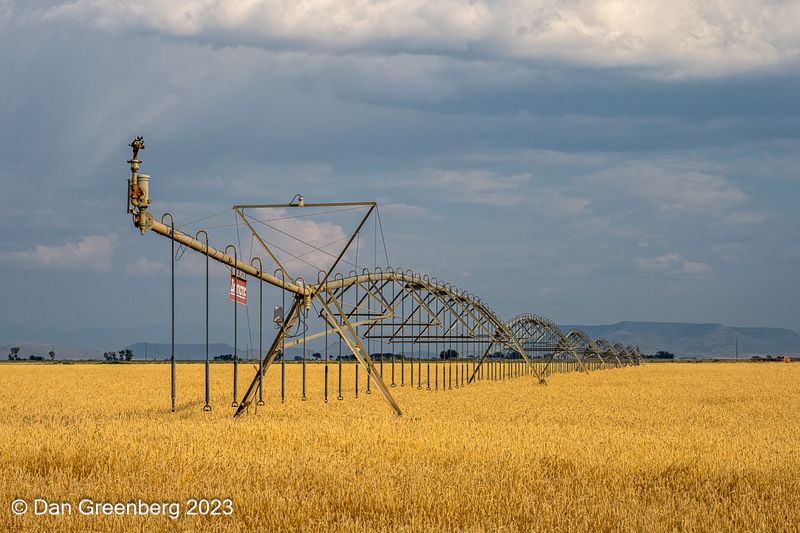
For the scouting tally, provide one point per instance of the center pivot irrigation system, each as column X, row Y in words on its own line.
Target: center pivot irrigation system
column 421, row 320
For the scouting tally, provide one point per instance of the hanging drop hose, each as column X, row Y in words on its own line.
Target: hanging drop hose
column 428, row 369
column 172, row 299
column 428, row 349
column 402, row 330
column 369, row 342
column 283, row 345
column 207, row 406
column 391, row 344
column 326, row 357
column 304, row 314
column 260, row 401
column 340, row 369
column 235, row 275
column 419, row 352
column 355, row 311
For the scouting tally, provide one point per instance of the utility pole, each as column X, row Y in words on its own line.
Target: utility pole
column 737, row 348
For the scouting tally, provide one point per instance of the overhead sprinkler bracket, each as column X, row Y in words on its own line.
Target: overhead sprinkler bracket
column 139, row 190
column 137, row 144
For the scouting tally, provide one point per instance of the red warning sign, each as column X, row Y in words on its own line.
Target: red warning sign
column 238, row 290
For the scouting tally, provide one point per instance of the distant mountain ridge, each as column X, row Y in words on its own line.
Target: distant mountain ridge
column 38, row 348
column 151, row 351
column 697, row 340
column 682, row 339
column 142, row 351
column 193, row 352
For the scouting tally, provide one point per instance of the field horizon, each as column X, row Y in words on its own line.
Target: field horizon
column 684, row 339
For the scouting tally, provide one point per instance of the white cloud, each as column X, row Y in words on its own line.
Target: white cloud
column 401, row 210
column 302, row 245
column 93, row 253
column 672, row 263
column 744, row 218
column 669, row 39
column 248, row 179
column 545, row 158
column 6, row 9
column 695, row 267
column 144, row 267
column 476, row 186
column 675, row 187
column 556, row 203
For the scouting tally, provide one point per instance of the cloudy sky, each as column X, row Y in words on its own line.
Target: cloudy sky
column 590, row 161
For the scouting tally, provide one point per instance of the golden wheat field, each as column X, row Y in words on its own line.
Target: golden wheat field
column 663, row 447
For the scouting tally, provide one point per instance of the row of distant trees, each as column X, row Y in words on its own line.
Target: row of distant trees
column 14, row 355
column 127, row 355
column 444, row 355
column 122, row 355
column 661, row 355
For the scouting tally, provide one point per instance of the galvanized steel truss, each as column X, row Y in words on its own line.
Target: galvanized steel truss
column 394, row 306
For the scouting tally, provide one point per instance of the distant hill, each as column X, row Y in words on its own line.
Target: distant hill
column 62, row 352
column 159, row 351
column 141, row 351
column 186, row 352
column 697, row 340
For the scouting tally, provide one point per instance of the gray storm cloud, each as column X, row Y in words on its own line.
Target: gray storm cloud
column 666, row 39
column 590, row 161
